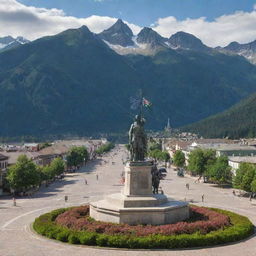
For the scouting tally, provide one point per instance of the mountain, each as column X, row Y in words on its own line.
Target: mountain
column 71, row 82
column 74, row 83
column 118, row 34
column 9, row 42
column 236, row 122
column 246, row 50
column 150, row 37
column 121, row 39
column 182, row 40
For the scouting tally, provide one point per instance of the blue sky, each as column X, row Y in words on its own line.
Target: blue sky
column 215, row 22
column 146, row 12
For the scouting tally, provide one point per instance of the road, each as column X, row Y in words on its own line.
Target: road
column 17, row 238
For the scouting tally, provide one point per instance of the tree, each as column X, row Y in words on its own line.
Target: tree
column 200, row 160
column 106, row 148
column 179, row 158
column 153, row 145
column 196, row 162
column 248, row 178
column 57, row 166
column 220, row 171
column 47, row 173
column 155, row 154
column 253, row 185
column 77, row 156
column 244, row 176
column 24, row 174
column 165, row 156
column 237, row 180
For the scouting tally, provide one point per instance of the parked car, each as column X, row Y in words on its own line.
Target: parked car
column 162, row 173
column 180, row 172
column 162, row 170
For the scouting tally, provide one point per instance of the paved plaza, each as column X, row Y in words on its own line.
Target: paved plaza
column 103, row 177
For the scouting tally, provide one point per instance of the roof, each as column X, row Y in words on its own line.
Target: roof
column 13, row 156
column 243, row 159
column 63, row 146
column 235, row 147
column 3, row 157
column 30, row 145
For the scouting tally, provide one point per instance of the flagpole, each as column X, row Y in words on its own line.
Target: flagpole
column 141, row 103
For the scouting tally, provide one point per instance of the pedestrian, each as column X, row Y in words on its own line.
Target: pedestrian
column 234, row 192
column 97, row 177
column 14, row 201
column 202, row 197
column 85, row 181
column 250, row 197
column 66, row 198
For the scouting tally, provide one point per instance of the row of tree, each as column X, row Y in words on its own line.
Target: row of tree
column 216, row 169
column 105, row 148
column 205, row 164
column 25, row 174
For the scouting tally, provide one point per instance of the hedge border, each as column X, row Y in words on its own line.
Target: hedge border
column 241, row 228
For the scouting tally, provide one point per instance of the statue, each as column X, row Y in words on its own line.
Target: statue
column 155, row 179
column 138, row 139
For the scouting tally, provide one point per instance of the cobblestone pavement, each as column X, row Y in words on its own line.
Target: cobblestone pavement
column 17, row 239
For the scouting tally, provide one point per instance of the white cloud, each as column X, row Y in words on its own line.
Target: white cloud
column 239, row 26
column 17, row 19
column 31, row 22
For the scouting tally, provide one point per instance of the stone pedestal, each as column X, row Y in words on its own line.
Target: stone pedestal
column 136, row 204
column 138, row 179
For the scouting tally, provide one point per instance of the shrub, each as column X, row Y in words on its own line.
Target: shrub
column 73, row 238
column 87, row 238
column 205, row 221
column 240, row 227
column 63, row 236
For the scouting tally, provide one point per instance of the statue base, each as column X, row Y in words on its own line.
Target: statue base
column 136, row 204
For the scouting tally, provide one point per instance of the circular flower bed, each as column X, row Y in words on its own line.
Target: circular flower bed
column 205, row 227
column 202, row 220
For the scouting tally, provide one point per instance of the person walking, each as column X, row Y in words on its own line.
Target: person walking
column 85, row 181
column 202, row 197
column 97, row 177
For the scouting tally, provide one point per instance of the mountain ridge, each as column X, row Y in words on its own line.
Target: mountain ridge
column 74, row 82
column 235, row 122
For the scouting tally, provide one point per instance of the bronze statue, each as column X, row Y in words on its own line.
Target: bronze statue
column 155, row 179
column 138, row 139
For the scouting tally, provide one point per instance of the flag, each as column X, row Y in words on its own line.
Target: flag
column 146, row 103
column 135, row 102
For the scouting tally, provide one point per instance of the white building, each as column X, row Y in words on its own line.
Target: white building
column 235, row 161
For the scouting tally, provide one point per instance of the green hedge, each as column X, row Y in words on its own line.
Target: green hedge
column 241, row 228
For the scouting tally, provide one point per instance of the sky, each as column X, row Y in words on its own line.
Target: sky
column 215, row 22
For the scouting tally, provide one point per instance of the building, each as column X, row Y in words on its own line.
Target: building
column 235, row 161
column 3, row 166
column 31, row 147
column 236, row 150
